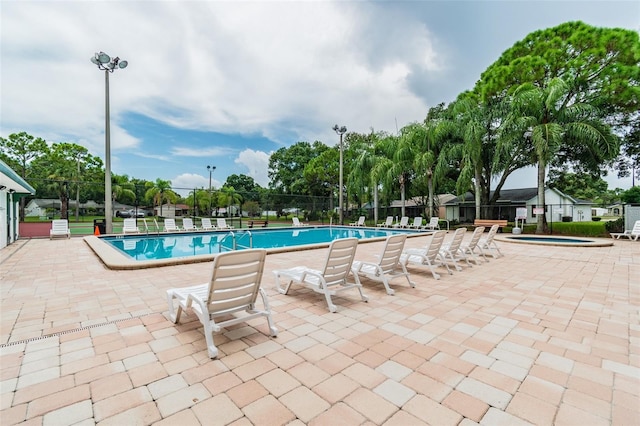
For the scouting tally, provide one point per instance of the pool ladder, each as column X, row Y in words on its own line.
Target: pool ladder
column 234, row 241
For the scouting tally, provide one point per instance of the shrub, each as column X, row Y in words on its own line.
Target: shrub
column 615, row 225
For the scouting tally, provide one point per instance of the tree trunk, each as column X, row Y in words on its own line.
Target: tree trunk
column 541, row 227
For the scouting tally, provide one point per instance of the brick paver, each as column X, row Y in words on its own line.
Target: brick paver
column 543, row 335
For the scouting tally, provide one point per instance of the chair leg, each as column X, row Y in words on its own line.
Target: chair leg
column 359, row 287
column 278, row 287
column 267, row 308
column 174, row 313
column 332, row 307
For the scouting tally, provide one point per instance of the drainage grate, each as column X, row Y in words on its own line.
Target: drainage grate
column 75, row 330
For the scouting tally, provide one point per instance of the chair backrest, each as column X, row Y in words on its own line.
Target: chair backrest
column 433, row 223
column 475, row 237
column 170, row 224
column 129, row 224
column 392, row 251
column 339, row 260
column 206, row 223
column 492, row 233
column 187, row 223
column 433, row 249
column 235, row 280
column 404, row 220
column 458, row 236
column 417, row 221
column 636, row 228
column 59, row 226
column 361, row 220
column 296, row 221
column 389, row 221
column 222, row 223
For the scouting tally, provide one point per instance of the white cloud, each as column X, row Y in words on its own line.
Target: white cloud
column 257, row 163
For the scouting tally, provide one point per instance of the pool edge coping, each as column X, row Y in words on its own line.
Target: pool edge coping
column 514, row 238
column 113, row 259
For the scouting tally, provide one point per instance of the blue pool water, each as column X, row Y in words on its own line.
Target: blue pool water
column 169, row 246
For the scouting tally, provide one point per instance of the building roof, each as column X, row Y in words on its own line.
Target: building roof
column 11, row 181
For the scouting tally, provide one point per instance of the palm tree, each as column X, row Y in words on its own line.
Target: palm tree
column 551, row 125
column 229, row 197
column 361, row 174
column 159, row 192
column 396, row 165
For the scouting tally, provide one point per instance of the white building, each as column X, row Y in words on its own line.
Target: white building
column 559, row 207
column 12, row 188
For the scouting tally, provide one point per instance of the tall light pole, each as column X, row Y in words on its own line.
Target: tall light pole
column 211, row 169
column 108, row 65
column 341, row 131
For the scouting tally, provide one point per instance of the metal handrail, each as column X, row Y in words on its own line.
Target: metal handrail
column 250, row 239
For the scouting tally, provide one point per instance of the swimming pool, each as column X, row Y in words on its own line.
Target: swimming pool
column 144, row 251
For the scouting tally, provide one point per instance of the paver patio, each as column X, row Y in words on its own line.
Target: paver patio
column 544, row 335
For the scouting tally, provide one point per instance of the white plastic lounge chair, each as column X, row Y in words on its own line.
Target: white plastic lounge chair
column 388, row 223
column 417, row 223
column 129, row 226
column 332, row 278
column 388, row 267
column 433, row 224
column 222, row 224
column 429, row 255
column 187, row 224
column 170, row 225
column 451, row 251
column 59, row 228
column 206, row 224
column 404, row 222
column 469, row 249
column 487, row 245
column 296, row 222
column 233, row 287
column 632, row 234
column 360, row 222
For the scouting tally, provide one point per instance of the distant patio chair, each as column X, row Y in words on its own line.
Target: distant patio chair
column 632, row 234
column 388, row 266
column 222, row 224
column 60, row 228
column 429, row 255
column 332, row 278
column 451, row 251
column 488, row 245
column 296, row 222
column 360, row 222
column 404, row 222
column 129, row 226
column 469, row 248
column 387, row 223
column 433, row 224
column 417, row 223
column 187, row 224
column 206, row 224
column 170, row 225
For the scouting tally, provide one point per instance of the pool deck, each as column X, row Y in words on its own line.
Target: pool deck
column 544, row 335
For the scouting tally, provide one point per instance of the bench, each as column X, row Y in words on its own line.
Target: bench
column 262, row 223
column 490, row 222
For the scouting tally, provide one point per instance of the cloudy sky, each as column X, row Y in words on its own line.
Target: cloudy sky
column 226, row 83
